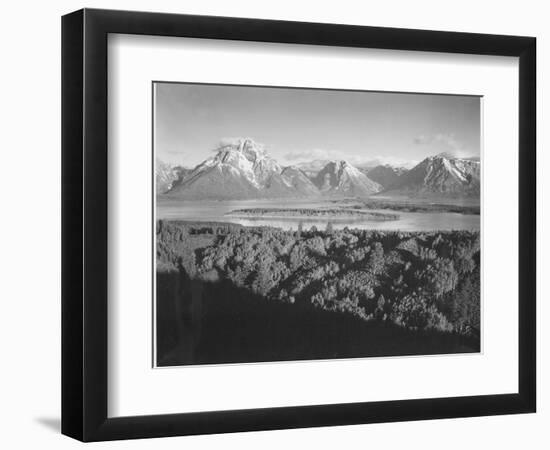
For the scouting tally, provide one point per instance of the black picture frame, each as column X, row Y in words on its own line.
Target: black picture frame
column 84, row 224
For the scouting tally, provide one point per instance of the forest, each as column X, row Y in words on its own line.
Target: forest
column 334, row 213
column 409, row 206
column 349, row 292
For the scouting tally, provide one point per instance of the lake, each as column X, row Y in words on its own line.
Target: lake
column 215, row 211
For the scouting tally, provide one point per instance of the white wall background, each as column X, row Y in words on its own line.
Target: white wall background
column 30, row 237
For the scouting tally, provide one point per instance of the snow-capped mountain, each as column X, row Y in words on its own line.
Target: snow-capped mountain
column 240, row 169
column 385, row 175
column 440, row 174
column 341, row 178
column 167, row 174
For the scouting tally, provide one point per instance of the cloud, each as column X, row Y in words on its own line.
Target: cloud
column 300, row 156
column 439, row 138
column 310, row 155
column 235, row 141
column 445, row 143
column 392, row 161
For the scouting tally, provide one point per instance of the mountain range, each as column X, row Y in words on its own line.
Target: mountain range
column 242, row 169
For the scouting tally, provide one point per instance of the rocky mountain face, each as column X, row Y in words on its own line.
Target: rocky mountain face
column 341, row 178
column 441, row 175
column 167, row 174
column 299, row 180
column 385, row 175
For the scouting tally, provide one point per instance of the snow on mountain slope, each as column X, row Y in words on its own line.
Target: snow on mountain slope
column 440, row 175
column 167, row 174
column 299, row 181
column 341, row 178
column 240, row 169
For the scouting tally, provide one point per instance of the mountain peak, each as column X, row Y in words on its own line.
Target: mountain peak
column 339, row 177
column 443, row 155
column 340, row 163
column 441, row 175
column 249, row 148
column 166, row 175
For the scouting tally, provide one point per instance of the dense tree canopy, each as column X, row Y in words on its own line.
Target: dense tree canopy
column 418, row 280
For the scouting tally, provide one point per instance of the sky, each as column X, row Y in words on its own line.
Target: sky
column 299, row 125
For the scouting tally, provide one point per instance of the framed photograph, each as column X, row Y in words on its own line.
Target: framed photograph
column 273, row 224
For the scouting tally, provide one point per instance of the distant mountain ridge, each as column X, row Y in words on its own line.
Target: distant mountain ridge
column 312, row 168
column 440, row 175
column 299, row 180
column 167, row 174
column 385, row 175
column 242, row 169
column 341, row 178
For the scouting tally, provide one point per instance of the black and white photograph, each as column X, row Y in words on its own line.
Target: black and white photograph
column 275, row 225
column 304, row 224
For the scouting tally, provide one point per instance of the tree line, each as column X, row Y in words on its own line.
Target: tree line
column 417, row 280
